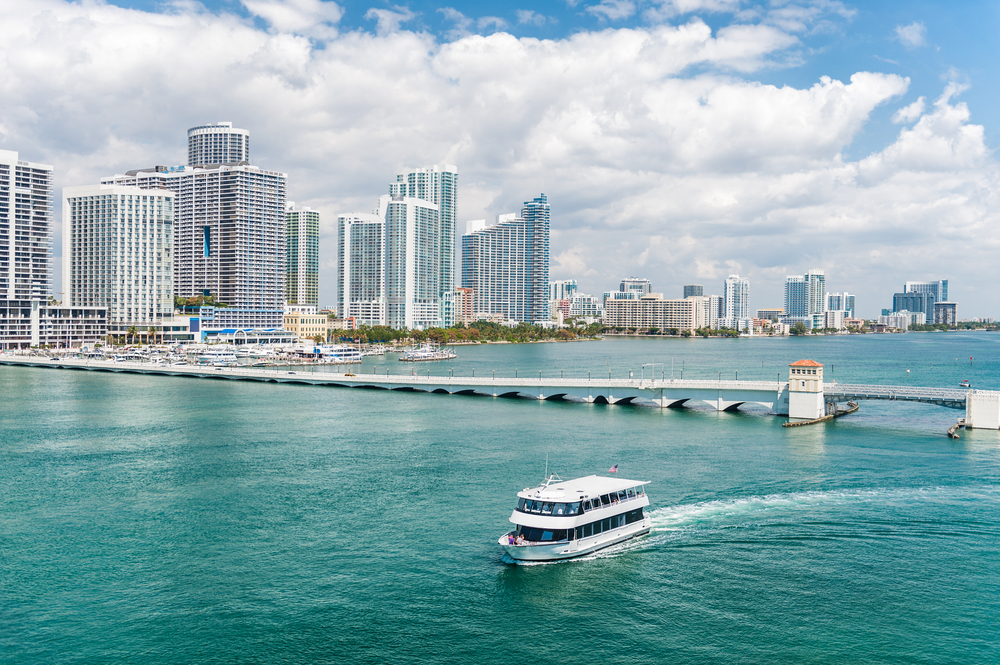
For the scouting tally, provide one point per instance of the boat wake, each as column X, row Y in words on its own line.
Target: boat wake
column 686, row 524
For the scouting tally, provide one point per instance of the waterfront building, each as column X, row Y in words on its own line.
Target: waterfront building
column 816, row 284
column 772, row 314
column 218, row 143
column 946, row 313
column 736, row 301
column 562, row 289
column 229, row 237
column 305, row 322
column 898, row 320
column 637, row 285
column 651, row 311
column 932, row 291
column 583, row 305
column 413, row 275
column 716, row 310
column 361, row 267
column 914, row 301
column 840, row 301
column 437, row 185
column 117, row 253
column 301, row 255
column 796, row 296
column 693, row 290
column 26, row 199
column 507, row 264
column 33, row 323
column 703, row 317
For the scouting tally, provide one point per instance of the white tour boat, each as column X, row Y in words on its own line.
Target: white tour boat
column 562, row 519
column 218, row 357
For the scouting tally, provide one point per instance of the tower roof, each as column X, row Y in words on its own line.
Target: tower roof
column 805, row 363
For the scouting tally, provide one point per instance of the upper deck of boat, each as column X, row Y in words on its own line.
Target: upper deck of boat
column 578, row 488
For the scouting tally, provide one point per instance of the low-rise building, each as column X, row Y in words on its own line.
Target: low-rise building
column 772, row 314
column 32, row 323
column 464, row 305
column 304, row 322
column 651, row 311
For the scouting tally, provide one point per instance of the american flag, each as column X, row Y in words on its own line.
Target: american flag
column 613, row 469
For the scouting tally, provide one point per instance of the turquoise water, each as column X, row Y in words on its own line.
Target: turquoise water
column 173, row 520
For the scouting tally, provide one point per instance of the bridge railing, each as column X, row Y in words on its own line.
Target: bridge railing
column 898, row 391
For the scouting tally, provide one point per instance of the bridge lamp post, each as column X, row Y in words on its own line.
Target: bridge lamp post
column 737, row 375
column 588, row 375
column 515, row 372
column 720, row 377
column 451, row 374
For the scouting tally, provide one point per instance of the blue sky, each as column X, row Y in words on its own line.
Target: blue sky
column 763, row 139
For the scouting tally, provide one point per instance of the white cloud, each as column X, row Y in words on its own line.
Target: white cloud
column 641, row 160
column 912, row 35
column 613, row 10
column 528, row 17
column 389, row 20
column 909, row 113
column 306, row 17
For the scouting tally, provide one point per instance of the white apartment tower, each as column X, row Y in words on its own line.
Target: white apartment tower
column 301, row 255
column 218, row 143
column 25, row 229
column 117, row 253
column 361, row 267
column 736, row 299
column 507, row 264
column 437, row 185
column 229, row 237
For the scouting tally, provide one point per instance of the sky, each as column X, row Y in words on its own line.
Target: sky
column 678, row 140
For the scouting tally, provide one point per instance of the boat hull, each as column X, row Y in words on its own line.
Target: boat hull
column 575, row 548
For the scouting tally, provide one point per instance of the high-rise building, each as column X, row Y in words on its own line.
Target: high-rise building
column 117, row 246
column 507, row 264
column 361, row 267
column 229, row 238
column 693, row 290
column 301, row 256
column 805, row 297
column 946, row 312
column 26, row 318
column 437, row 185
column 816, row 281
column 840, row 302
column 218, row 143
column 796, row 296
column 913, row 301
column 637, row 285
column 936, row 292
column 736, row 298
column 413, row 263
column 25, row 228
column 562, row 289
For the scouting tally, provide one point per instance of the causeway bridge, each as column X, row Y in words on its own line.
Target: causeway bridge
column 785, row 398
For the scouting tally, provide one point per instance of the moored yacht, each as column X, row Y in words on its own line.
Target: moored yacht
column 562, row 519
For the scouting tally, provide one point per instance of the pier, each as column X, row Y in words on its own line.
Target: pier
column 799, row 399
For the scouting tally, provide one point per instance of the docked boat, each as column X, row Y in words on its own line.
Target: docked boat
column 428, row 352
column 218, row 357
column 563, row 519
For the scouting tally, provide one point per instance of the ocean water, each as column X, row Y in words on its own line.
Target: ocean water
column 174, row 520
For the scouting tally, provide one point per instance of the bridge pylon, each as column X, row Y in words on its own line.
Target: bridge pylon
column 805, row 390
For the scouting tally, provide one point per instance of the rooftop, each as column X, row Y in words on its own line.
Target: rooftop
column 578, row 488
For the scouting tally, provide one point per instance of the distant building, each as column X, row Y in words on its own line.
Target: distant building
column 465, row 312
column 586, row 306
column 118, row 254
column 301, row 255
column 933, row 292
column 507, row 264
column 218, row 143
column 26, row 201
column 946, row 313
column 770, row 314
column 898, row 320
column 32, row 323
column 651, row 311
column 638, row 285
column 693, row 290
column 840, row 301
column 361, row 268
column 736, row 299
column 305, row 322
column 914, row 301
column 562, row 289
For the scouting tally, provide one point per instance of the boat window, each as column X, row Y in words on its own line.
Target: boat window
column 560, row 509
column 547, row 535
column 520, row 504
column 631, row 492
column 573, row 508
column 621, row 495
column 605, row 499
column 586, row 505
column 547, row 508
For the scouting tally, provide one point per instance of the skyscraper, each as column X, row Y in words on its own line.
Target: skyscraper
column 936, row 292
column 25, row 228
column 437, row 185
column 796, row 296
column 693, row 290
column 301, row 255
column 736, row 298
column 361, row 267
column 229, row 238
column 805, row 296
column 562, row 289
column 638, row 285
column 507, row 264
column 218, row 143
column 816, row 280
column 413, row 238
column 843, row 302
column 117, row 253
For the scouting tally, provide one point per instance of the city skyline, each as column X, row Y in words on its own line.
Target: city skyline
column 882, row 170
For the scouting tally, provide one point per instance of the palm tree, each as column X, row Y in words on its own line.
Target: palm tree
column 132, row 333
column 151, row 334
